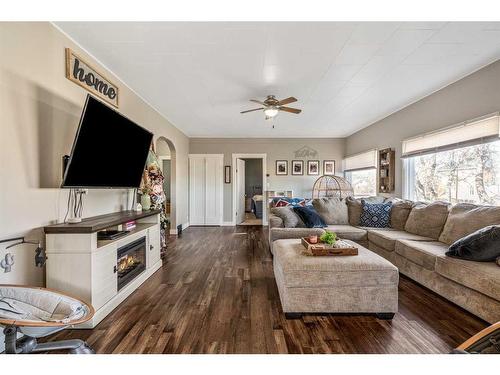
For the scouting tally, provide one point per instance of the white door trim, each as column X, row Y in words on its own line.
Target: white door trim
column 264, row 184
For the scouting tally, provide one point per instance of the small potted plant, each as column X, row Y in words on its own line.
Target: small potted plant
column 329, row 238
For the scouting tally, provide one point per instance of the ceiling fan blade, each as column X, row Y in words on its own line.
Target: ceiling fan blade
column 251, row 110
column 257, row 101
column 289, row 100
column 291, row 110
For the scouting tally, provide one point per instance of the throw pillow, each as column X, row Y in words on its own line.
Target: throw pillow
column 427, row 220
column 332, row 210
column 354, row 208
column 281, row 203
column 399, row 212
column 310, row 217
column 465, row 218
column 285, row 201
column 289, row 217
column 481, row 246
column 375, row 215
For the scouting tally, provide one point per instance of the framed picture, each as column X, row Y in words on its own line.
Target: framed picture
column 297, row 167
column 281, row 167
column 227, row 174
column 329, row 167
column 313, row 167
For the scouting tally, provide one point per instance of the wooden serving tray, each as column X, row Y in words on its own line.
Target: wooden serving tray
column 340, row 248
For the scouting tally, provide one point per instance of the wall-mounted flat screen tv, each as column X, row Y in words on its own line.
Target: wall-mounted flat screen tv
column 109, row 150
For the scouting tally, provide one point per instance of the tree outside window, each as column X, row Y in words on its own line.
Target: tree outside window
column 364, row 182
column 465, row 175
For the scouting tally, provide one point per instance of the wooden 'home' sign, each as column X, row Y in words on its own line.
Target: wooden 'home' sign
column 84, row 75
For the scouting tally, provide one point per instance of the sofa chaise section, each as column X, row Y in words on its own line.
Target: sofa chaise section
column 483, row 277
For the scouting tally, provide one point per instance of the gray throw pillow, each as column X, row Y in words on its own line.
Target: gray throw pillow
column 465, row 218
column 399, row 213
column 289, row 217
column 481, row 246
column 333, row 211
column 427, row 220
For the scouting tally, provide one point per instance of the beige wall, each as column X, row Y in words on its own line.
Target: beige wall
column 276, row 149
column 39, row 112
column 473, row 96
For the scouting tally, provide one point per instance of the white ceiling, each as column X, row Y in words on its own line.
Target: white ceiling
column 345, row 75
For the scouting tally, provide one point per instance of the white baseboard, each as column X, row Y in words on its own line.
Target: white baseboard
column 185, row 225
column 227, row 224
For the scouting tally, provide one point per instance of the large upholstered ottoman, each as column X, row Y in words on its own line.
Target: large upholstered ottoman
column 365, row 283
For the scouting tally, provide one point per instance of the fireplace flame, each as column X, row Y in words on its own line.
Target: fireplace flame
column 126, row 262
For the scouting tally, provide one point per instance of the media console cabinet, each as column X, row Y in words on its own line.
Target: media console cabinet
column 102, row 272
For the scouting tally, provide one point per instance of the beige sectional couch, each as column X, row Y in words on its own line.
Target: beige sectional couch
column 416, row 243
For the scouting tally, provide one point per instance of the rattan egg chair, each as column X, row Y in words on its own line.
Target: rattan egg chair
column 332, row 187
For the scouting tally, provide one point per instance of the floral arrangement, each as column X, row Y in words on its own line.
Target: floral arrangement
column 145, row 187
column 152, row 184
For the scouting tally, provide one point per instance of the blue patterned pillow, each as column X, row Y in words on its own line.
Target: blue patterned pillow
column 293, row 202
column 375, row 215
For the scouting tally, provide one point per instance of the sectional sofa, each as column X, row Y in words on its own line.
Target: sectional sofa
column 416, row 242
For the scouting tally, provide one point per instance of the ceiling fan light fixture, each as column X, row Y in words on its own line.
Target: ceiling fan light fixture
column 271, row 112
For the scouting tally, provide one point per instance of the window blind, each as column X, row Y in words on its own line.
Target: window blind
column 362, row 160
column 481, row 130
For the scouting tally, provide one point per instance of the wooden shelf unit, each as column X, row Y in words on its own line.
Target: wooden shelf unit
column 386, row 170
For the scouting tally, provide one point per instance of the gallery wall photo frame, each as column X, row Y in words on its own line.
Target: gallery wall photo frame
column 313, row 167
column 227, row 174
column 82, row 73
column 329, row 167
column 281, row 167
column 297, row 167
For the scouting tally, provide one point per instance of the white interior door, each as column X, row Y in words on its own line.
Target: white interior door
column 213, row 190
column 240, row 180
column 197, row 190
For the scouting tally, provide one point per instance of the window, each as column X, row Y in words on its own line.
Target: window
column 451, row 166
column 360, row 170
column 364, row 182
column 464, row 175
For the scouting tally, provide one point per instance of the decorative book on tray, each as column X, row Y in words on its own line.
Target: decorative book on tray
column 339, row 248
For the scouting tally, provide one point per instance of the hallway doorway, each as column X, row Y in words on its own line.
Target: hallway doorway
column 249, row 176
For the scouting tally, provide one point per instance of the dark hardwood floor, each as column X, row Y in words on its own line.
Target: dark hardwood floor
column 216, row 294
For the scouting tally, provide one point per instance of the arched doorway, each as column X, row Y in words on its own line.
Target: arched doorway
column 165, row 150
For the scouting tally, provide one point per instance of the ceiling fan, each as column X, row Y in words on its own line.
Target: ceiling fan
column 272, row 106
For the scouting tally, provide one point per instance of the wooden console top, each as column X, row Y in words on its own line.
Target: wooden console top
column 97, row 223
